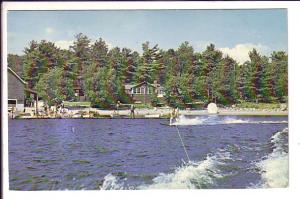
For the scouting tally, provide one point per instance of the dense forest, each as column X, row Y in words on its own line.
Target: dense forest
column 187, row 76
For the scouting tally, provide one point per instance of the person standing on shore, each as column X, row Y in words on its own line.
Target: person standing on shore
column 13, row 110
column 132, row 111
column 118, row 106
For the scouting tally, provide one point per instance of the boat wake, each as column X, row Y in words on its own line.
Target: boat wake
column 274, row 168
column 111, row 183
column 192, row 175
column 214, row 119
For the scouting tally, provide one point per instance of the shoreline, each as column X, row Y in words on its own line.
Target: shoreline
column 152, row 114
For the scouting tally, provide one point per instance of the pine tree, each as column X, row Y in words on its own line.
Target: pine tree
column 15, row 62
column 225, row 83
column 131, row 62
column 149, row 66
column 186, row 75
column 259, row 77
column 39, row 59
column 82, row 52
column 69, row 75
column 279, row 74
column 171, row 83
column 211, row 58
column 186, row 68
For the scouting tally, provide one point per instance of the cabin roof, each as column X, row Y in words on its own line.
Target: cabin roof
column 130, row 86
column 16, row 75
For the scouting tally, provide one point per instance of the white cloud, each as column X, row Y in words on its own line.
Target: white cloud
column 240, row 52
column 201, row 45
column 64, row 44
column 109, row 45
column 50, row 30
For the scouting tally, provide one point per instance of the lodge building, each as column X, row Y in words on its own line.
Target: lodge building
column 141, row 93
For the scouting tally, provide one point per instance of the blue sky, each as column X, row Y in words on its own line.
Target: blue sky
column 234, row 32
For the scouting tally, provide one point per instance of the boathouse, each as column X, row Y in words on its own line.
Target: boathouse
column 141, row 93
column 17, row 90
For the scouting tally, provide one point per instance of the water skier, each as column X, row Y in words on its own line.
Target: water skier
column 174, row 116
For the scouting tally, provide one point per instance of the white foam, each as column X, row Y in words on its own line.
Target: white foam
column 277, row 137
column 203, row 174
column 111, row 182
column 273, row 122
column 182, row 120
column 214, row 119
column 235, row 121
column 274, row 169
column 189, row 176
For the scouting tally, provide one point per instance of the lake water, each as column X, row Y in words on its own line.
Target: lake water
column 92, row 154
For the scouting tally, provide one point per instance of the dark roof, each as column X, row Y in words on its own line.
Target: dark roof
column 16, row 75
column 130, row 86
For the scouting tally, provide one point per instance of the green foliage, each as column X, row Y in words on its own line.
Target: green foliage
column 199, row 88
column 180, row 75
column 187, row 76
column 154, row 100
column 15, row 62
column 266, row 106
column 39, row 59
column 49, row 87
column 210, row 62
column 143, row 106
column 73, row 104
column 279, row 75
column 102, row 97
column 225, row 83
column 149, row 66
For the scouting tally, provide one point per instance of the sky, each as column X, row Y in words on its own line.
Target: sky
column 234, row 32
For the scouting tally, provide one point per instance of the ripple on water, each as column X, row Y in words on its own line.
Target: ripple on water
column 141, row 151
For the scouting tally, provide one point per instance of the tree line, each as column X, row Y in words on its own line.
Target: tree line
column 187, row 76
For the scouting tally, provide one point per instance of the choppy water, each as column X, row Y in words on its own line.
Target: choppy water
column 72, row 154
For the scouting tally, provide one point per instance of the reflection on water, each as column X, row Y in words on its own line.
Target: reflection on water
column 227, row 152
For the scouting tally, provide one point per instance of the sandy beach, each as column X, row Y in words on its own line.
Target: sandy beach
column 152, row 113
column 166, row 111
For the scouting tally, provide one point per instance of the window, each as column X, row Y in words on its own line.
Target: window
column 138, row 90
column 12, row 101
column 143, row 90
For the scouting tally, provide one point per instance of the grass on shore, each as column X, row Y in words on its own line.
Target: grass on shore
column 149, row 106
column 259, row 105
column 72, row 104
column 143, row 106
